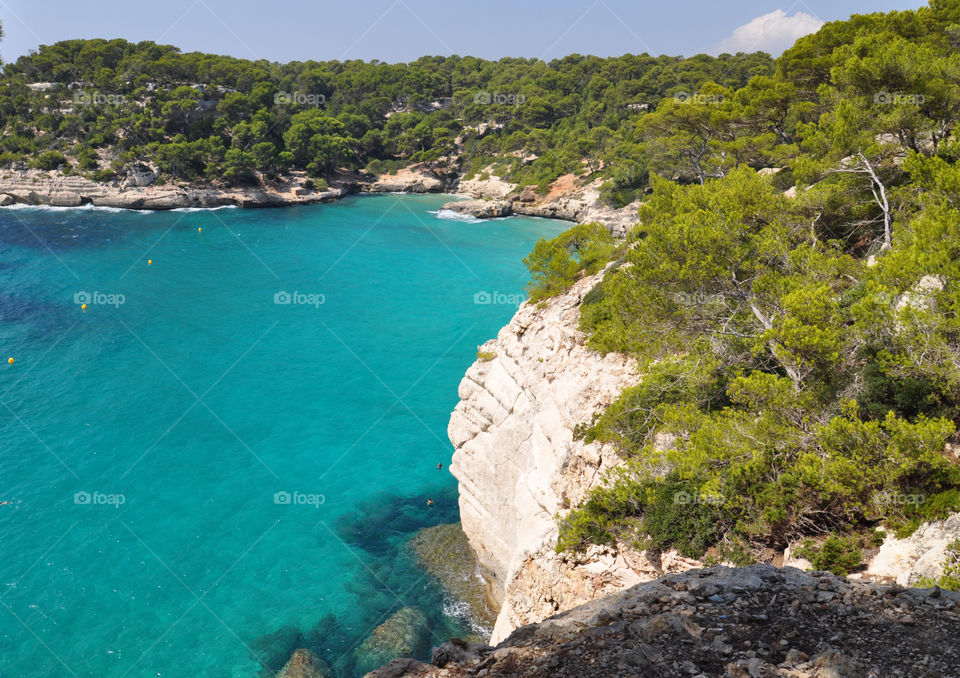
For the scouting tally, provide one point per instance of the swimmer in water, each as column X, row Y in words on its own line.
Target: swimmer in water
column 429, row 502
column 439, row 466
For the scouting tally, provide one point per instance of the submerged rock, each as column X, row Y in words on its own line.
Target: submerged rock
column 403, row 634
column 304, row 664
column 445, row 553
column 273, row 649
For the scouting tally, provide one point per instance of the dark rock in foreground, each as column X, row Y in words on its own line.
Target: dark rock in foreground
column 750, row 622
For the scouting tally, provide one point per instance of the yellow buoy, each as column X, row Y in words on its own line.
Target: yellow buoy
column 10, row 360
column 83, row 307
column 149, row 262
column 199, row 229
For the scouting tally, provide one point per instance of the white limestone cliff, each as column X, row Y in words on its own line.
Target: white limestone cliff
column 516, row 458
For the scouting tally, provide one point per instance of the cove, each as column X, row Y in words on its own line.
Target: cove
column 223, row 456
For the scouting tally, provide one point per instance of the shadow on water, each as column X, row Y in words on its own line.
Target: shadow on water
column 41, row 320
column 57, row 231
column 391, row 588
column 378, row 524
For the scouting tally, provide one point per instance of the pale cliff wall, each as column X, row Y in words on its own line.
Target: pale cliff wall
column 518, row 464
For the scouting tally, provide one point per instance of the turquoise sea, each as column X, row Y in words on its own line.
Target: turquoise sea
column 222, row 456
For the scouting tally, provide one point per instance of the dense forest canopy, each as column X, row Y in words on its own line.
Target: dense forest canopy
column 98, row 106
column 800, row 347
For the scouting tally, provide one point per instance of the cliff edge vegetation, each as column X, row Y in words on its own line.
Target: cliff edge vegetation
column 796, row 326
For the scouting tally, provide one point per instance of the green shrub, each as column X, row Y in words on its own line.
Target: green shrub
column 783, row 377
column 840, row 555
column 381, row 166
column 7, row 158
column 86, row 158
column 555, row 264
column 48, row 160
column 103, row 175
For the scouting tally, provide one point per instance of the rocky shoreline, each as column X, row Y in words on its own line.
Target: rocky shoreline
column 493, row 197
column 141, row 189
column 578, row 209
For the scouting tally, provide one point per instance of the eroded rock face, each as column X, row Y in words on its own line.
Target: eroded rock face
column 922, row 554
column 138, row 191
column 515, row 457
column 492, row 187
column 749, row 622
column 547, row 582
column 519, row 466
column 414, row 179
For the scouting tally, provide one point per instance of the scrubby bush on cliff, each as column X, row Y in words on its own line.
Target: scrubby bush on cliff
column 840, row 555
column 801, row 355
column 555, row 264
column 49, row 160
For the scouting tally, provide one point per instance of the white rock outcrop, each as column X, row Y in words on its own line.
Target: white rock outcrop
column 516, row 459
column 490, row 187
column 922, row 554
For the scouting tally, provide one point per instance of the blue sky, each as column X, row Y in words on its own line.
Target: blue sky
column 401, row 30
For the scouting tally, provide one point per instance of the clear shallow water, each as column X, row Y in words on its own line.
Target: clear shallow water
column 198, row 399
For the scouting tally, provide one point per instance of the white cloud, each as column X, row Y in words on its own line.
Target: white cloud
column 773, row 32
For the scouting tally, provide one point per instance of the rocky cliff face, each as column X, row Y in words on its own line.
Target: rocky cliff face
column 137, row 191
column 518, row 463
